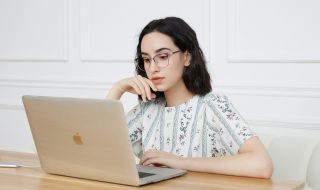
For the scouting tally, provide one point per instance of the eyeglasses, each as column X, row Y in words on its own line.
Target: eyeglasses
column 161, row 60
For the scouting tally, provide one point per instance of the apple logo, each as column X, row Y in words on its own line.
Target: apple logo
column 77, row 139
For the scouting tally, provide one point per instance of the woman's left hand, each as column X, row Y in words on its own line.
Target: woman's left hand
column 162, row 158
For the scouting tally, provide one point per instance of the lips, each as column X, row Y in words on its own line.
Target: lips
column 157, row 80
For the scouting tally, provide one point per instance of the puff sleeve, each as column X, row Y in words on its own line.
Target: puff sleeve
column 230, row 126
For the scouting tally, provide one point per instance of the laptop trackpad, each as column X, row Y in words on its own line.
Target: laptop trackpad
column 144, row 174
column 155, row 174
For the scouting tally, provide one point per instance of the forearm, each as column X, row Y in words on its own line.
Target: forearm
column 249, row 165
column 114, row 93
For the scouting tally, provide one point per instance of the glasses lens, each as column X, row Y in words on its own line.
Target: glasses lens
column 162, row 59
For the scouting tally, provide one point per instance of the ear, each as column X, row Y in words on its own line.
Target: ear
column 187, row 57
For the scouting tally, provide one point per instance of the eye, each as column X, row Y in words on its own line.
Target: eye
column 146, row 60
column 163, row 57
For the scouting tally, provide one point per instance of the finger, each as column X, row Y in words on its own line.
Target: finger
column 146, row 86
column 153, row 161
column 136, row 89
column 154, row 88
column 141, row 88
column 147, row 161
column 127, row 85
column 144, row 157
column 147, row 155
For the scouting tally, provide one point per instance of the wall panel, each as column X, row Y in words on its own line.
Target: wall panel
column 263, row 55
column 33, row 30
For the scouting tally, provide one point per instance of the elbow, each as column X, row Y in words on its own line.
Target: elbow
column 266, row 173
column 265, row 169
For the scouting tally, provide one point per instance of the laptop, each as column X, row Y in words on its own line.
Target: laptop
column 87, row 138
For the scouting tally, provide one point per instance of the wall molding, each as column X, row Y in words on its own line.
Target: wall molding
column 52, row 83
column 56, row 83
column 302, row 90
column 271, row 121
column 206, row 24
column 235, row 57
column 283, row 124
column 11, row 107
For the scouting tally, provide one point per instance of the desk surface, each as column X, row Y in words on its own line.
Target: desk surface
column 35, row 178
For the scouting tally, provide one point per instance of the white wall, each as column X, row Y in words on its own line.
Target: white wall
column 266, row 57
column 263, row 54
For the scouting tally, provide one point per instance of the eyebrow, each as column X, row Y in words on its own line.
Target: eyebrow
column 157, row 51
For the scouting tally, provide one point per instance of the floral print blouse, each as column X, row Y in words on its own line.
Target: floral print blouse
column 204, row 126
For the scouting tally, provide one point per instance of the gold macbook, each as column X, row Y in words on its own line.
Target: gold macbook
column 87, row 138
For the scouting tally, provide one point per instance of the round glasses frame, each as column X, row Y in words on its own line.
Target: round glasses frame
column 161, row 60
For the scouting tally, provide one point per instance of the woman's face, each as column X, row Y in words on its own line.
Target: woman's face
column 167, row 73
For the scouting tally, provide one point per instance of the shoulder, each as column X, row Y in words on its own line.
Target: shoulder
column 215, row 98
column 218, row 103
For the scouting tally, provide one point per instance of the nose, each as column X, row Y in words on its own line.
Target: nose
column 153, row 66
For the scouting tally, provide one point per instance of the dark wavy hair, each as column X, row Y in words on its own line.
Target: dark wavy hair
column 195, row 76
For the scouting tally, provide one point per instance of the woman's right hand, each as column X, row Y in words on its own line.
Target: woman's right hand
column 137, row 85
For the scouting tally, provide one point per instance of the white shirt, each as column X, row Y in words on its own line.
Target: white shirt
column 204, row 126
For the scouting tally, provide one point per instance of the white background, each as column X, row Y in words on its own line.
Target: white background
column 263, row 54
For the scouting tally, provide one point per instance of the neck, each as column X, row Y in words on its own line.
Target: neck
column 177, row 95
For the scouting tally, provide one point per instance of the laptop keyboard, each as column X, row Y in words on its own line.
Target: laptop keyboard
column 143, row 174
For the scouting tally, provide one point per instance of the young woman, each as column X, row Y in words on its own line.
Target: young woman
column 179, row 122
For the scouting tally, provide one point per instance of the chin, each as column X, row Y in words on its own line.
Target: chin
column 161, row 88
